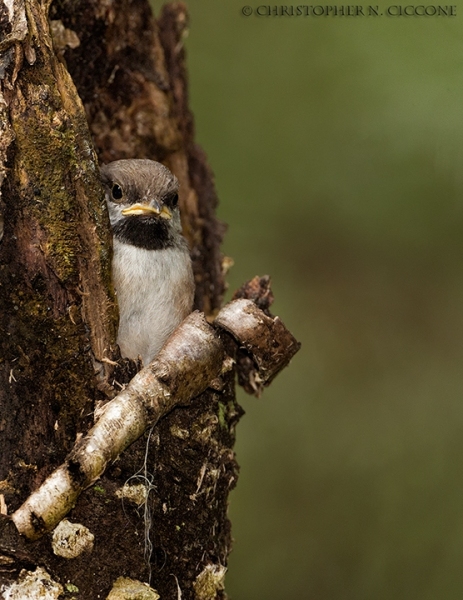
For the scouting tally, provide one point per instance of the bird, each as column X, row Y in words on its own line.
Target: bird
column 151, row 266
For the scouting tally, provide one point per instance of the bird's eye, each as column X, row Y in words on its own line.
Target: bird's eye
column 173, row 200
column 117, row 192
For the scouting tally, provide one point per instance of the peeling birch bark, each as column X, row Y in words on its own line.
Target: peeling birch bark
column 265, row 339
column 33, row 585
column 192, row 359
column 125, row 589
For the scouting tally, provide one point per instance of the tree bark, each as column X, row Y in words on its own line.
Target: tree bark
column 81, row 83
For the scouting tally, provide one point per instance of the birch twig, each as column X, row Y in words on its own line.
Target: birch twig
column 192, row 358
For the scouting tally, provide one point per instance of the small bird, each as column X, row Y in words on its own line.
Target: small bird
column 151, row 267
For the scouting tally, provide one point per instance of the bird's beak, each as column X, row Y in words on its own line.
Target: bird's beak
column 145, row 209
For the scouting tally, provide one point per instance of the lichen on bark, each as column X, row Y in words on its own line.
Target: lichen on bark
column 57, row 315
column 119, row 87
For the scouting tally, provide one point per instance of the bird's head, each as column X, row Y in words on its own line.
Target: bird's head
column 142, row 199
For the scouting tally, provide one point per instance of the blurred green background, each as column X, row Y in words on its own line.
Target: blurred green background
column 337, row 149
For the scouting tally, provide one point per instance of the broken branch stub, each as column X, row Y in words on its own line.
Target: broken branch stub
column 265, row 340
column 190, row 361
column 259, row 290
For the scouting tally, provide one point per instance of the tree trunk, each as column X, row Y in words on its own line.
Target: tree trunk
column 75, row 77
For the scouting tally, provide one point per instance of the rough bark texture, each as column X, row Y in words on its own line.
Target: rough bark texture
column 112, row 79
column 57, row 315
column 130, row 73
column 192, row 358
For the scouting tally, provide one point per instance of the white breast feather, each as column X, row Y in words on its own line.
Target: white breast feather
column 154, row 293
